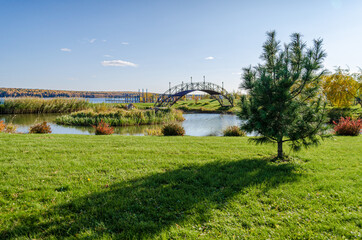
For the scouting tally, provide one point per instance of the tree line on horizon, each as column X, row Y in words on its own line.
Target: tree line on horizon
column 46, row 93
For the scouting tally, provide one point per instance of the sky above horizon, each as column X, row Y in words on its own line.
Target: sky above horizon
column 131, row 45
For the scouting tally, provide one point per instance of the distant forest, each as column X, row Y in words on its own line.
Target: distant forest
column 23, row 92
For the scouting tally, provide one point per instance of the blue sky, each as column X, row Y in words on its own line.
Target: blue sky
column 128, row 45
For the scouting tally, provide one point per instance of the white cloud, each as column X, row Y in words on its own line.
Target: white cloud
column 65, row 50
column 236, row 73
column 118, row 63
column 209, row 58
column 92, row 40
column 104, row 40
column 124, row 43
column 108, row 56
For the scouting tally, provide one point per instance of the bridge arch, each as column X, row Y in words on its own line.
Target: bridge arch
column 172, row 95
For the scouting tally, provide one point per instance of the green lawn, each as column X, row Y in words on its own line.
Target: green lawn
column 88, row 187
column 204, row 105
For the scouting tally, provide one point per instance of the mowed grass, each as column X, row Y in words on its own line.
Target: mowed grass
column 205, row 106
column 125, row 187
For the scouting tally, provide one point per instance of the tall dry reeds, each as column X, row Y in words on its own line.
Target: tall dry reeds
column 42, row 105
column 120, row 117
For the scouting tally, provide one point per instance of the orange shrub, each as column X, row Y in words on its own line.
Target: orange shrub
column 2, row 126
column 40, row 128
column 103, row 128
column 7, row 128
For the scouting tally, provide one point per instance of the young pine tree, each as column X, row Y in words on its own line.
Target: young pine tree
column 284, row 103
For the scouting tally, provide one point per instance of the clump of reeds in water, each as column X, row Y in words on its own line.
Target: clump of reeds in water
column 43, row 105
column 120, row 117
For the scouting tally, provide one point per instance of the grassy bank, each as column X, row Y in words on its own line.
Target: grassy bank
column 204, row 106
column 72, row 186
column 120, row 117
column 42, row 105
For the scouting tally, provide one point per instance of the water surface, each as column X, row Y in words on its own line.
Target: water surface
column 195, row 124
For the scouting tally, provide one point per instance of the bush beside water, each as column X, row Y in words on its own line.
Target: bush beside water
column 173, row 129
column 120, row 117
column 234, row 131
column 103, row 129
column 7, row 128
column 43, row 127
column 153, row 132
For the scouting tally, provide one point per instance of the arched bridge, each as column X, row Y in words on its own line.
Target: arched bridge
column 172, row 95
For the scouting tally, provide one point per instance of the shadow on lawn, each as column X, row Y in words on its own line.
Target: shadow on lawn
column 146, row 206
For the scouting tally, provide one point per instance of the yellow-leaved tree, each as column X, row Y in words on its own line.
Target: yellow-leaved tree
column 342, row 88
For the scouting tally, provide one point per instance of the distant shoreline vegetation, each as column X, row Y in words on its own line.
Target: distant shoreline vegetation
column 46, row 93
column 121, row 117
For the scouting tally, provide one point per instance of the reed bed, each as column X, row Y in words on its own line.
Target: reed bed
column 120, row 117
column 42, row 105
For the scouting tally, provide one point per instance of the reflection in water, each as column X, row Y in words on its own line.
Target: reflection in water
column 194, row 124
column 208, row 124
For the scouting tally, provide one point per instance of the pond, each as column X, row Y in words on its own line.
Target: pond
column 195, row 124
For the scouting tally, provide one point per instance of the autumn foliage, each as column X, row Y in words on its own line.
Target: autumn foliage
column 341, row 88
column 2, row 126
column 348, row 127
column 103, row 128
column 42, row 128
column 7, row 128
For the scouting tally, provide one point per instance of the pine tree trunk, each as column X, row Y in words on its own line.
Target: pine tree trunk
column 280, row 150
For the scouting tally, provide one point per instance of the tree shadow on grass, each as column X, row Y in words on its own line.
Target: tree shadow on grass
column 144, row 207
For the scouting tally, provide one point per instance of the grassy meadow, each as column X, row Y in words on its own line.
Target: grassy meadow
column 124, row 187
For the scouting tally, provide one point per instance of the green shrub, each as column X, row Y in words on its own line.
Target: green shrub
column 173, row 129
column 40, row 128
column 334, row 114
column 234, row 131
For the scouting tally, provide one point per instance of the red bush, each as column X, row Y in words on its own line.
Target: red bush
column 40, row 128
column 348, row 127
column 103, row 129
